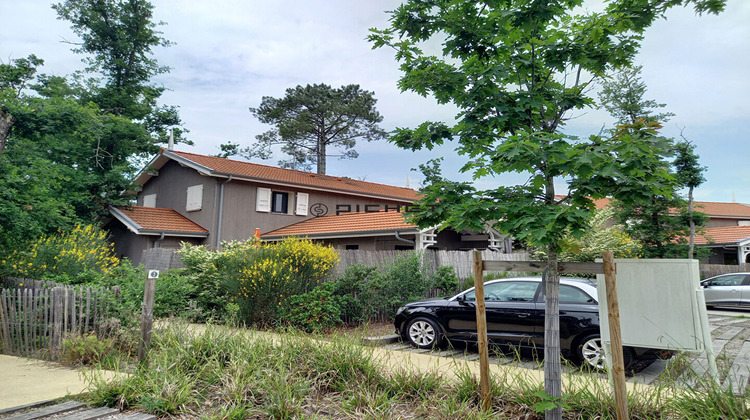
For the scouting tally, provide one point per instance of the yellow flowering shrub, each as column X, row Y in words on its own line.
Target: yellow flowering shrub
column 259, row 277
column 84, row 248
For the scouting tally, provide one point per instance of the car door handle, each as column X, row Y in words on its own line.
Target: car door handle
column 522, row 314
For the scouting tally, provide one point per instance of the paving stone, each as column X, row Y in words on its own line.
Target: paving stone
column 729, row 334
column 650, row 373
column 739, row 372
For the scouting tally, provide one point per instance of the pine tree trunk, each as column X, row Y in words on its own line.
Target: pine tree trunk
column 321, row 157
column 552, row 365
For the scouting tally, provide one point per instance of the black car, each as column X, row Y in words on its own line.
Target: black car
column 515, row 316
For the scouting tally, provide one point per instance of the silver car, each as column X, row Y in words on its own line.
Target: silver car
column 731, row 290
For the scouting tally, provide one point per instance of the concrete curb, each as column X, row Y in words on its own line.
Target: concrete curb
column 380, row 341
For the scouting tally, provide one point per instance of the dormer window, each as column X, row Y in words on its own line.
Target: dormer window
column 279, row 202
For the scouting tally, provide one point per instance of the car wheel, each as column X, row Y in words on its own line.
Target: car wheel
column 423, row 333
column 591, row 354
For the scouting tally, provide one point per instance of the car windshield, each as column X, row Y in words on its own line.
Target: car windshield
column 508, row 291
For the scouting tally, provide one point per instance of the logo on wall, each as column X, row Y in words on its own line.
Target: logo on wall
column 319, row 209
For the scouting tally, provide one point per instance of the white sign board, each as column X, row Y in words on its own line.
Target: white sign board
column 153, row 274
column 659, row 304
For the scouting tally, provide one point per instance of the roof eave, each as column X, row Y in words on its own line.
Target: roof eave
column 125, row 220
column 309, row 186
column 139, row 230
column 156, row 232
column 350, row 234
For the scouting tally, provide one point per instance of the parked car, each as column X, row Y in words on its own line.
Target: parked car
column 515, row 316
column 731, row 290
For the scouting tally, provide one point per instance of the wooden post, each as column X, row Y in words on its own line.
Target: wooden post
column 484, row 357
column 618, row 362
column 147, row 315
column 4, row 323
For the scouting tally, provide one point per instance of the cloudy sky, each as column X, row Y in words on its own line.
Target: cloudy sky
column 228, row 54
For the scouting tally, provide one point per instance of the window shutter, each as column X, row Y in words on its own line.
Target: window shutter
column 263, row 200
column 301, row 209
column 149, row 200
column 194, row 198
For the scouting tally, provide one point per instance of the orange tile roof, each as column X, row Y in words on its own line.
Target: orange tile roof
column 713, row 209
column 723, row 209
column 723, row 235
column 343, row 223
column 599, row 204
column 272, row 173
column 162, row 220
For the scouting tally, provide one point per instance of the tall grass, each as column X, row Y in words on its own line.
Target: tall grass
column 237, row 374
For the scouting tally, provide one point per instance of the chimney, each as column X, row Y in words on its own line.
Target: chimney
column 170, row 145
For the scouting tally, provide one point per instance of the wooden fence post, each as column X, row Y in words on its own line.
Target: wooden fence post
column 618, row 362
column 147, row 314
column 484, row 358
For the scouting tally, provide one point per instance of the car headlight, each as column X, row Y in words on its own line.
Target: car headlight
column 400, row 309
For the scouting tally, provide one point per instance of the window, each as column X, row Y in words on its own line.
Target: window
column 194, row 198
column 509, row 291
column 279, row 202
column 149, row 200
column 352, row 247
column 570, row 294
column 730, row 280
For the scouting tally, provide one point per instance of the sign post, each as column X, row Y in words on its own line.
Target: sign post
column 618, row 362
column 484, row 356
column 147, row 314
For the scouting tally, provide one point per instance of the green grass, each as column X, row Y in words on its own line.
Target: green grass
column 236, row 374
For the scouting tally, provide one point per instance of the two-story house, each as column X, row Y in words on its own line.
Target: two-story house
column 726, row 234
column 206, row 200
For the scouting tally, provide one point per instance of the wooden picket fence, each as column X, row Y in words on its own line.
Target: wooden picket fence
column 35, row 318
column 461, row 261
column 710, row 270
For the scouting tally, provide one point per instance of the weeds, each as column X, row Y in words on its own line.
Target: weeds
column 224, row 374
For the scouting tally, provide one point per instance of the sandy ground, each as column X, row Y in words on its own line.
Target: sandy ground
column 25, row 381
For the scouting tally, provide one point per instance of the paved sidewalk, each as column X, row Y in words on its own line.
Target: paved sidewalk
column 26, row 381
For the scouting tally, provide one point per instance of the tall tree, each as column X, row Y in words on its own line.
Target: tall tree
column 689, row 175
column 515, row 68
column 657, row 222
column 311, row 119
column 623, row 97
column 118, row 37
column 68, row 142
column 14, row 78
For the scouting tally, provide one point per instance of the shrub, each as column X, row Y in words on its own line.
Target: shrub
column 356, row 292
column 64, row 255
column 88, row 350
column 173, row 293
column 404, row 281
column 315, row 311
column 445, row 279
column 259, row 277
column 201, row 273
